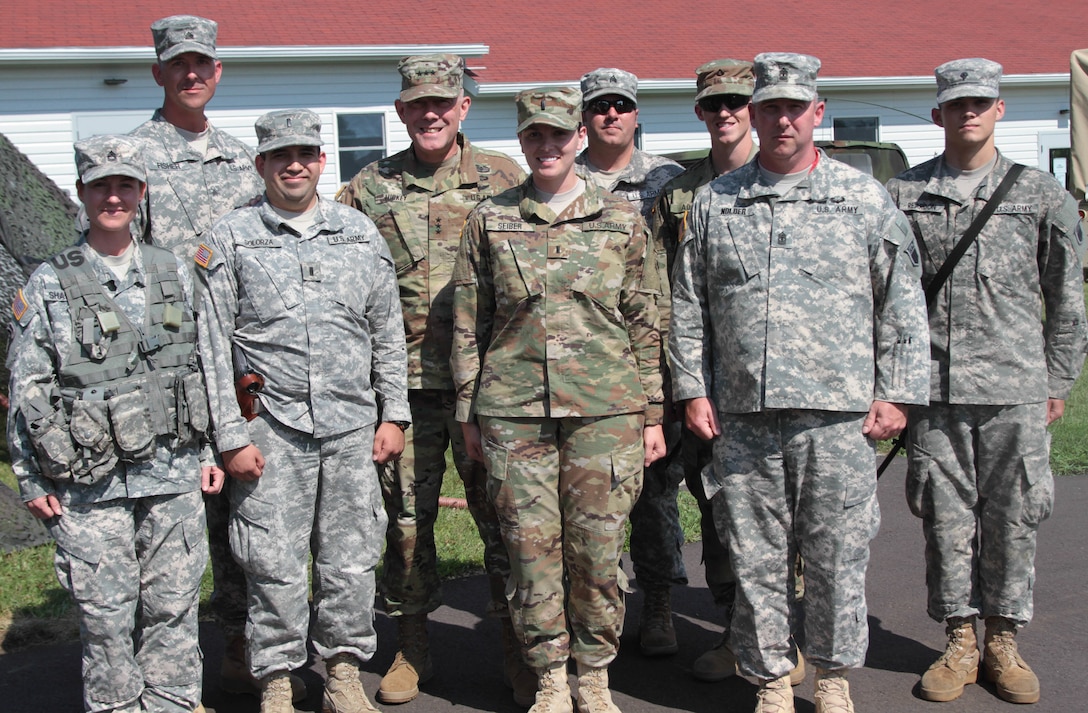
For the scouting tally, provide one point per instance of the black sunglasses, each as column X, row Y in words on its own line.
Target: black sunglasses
column 621, row 105
column 715, row 102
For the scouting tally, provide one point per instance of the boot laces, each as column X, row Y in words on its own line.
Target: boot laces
column 833, row 694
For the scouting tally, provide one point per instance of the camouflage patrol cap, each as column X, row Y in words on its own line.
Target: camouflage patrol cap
column 968, row 78
column 608, row 80
column 559, row 107
column 106, row 155
column 725, row 76
column 288, row 127
column 178, row 34
column 431, row 75
column 785, row 75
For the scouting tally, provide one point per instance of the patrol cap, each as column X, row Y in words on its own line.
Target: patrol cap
column 725, row 76
column 178, row 34
column 561, row 107
column 785, row 75
column 968, row 78
column 431, row 75
column 108, row 155
column 288, row 127
column 608, row 80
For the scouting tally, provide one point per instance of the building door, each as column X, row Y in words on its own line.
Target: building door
column 1054, row 156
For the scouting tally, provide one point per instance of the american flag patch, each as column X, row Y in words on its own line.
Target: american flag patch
column 203, row 256
column 19, row 305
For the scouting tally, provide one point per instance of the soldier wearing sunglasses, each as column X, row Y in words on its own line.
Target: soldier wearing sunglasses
column 611, row 160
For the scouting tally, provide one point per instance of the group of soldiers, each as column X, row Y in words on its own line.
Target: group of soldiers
column 787, row 287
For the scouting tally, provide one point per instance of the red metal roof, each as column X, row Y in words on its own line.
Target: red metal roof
column 562, row 39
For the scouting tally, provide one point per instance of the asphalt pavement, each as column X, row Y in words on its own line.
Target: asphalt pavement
column 904, row 641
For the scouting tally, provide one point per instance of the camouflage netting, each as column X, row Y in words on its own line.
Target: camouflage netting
column 36, row 221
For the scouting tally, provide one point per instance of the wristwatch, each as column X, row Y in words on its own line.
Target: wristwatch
column 402, row 425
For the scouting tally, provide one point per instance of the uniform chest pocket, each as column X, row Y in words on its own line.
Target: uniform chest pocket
column 732, row 260
column 602, row 283
column 271, row 279
column 515, row 275
column 405, row 230
column 1007, row 251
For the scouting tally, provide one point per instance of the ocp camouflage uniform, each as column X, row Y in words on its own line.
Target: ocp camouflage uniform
column 687, row 457
column 186, row 194
column 420, row 214
column 793, row 314
column 979, row 453
column 556, row 353
column 656, row 534
column 329, row 342
column 130, row 544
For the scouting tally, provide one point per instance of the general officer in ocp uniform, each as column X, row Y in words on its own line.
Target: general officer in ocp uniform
column 302, row 291
column 419, row 199
column 106, row 431
column 556, row 358
column 979, row 454
column 797, row 337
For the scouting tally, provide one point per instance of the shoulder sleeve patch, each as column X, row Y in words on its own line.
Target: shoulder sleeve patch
column 203, row 256
column 19, row 306
column 1067, row 216
column 899, row 232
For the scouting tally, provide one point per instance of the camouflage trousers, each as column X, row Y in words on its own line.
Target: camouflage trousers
column 563, row 489
column 656, row 534
column 795, row 481
column 317, row 496
column 133, row 568
column 228, row 601
column 693, row 457
column 411, row 487
column 980, row 480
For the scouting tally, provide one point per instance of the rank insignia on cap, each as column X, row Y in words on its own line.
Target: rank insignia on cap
column 19, row 305
column 203, row 256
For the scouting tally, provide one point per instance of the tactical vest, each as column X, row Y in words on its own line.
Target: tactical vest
column 124, row 385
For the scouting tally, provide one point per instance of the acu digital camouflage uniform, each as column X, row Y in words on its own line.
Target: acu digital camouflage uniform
column 420, row 212
column 979, row 454
column 793, row 314
column 556, row 353
column 130, row 544
column 317, row 315
column 186, row 194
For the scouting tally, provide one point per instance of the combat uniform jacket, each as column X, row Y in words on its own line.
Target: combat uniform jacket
column 640, row 182
column 421, row 220
column 807, row 301
column 187, row 192
column 316, row 315
column 989, row 343
column 89, row 398
column 552, row 318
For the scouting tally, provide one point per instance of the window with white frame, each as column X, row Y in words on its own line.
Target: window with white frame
column 361, row 140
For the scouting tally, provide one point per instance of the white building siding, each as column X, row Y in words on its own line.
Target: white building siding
column 44, row 109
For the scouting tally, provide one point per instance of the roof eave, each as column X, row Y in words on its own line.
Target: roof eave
column 78, row 55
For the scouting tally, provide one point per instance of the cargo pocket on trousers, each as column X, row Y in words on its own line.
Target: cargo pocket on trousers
column 917, row 482
column 1038, row 486
column 626, row 485
column 499, row 491
column 256, row 550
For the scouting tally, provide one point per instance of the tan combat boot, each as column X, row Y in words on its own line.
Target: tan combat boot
column 1014, row 679
column 276, row 693
column 593, row 693
column 775, row 696
column 515, row 672
column 833, row 692
column 343, row 690
column 412, row 665
column 553, row 690
column 657, row 637
column 717, row 664
column 957, row 666
column 234, row 675
column 797, row 673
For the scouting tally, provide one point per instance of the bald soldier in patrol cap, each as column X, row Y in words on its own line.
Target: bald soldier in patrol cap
column 797, row 339
column 979, row 453
column 107, row 433
column 419, row 199
column 195, row 174
column 301, row 292
column 613, row 162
